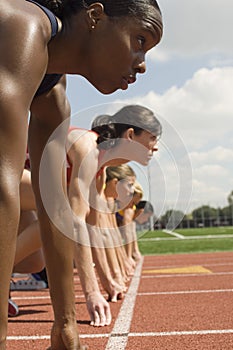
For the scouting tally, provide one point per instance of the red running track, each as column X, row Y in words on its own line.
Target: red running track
column 174, row 302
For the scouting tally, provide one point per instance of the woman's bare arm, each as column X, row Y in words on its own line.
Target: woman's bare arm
column 84, row 166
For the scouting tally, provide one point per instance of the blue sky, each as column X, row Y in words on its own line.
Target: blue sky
column 189, row 85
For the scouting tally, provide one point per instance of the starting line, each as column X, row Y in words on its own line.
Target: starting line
column 176, row 238
column 146, row 334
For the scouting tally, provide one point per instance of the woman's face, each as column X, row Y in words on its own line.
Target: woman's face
column 117, row 52
column 138, row 148
column 123, row 190
column 145, row 146
column 135, row 199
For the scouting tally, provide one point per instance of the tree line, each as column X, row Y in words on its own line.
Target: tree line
column 203, row 216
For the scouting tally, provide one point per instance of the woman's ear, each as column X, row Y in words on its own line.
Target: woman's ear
column 95, row 12
column 130, row 134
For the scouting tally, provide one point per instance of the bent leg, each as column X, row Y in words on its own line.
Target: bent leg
column 27, row 198
column 31, row 264
column 28, row 256
column 13, row 135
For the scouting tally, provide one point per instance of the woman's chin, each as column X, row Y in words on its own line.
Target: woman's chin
column 105, row 89
column 143, row 162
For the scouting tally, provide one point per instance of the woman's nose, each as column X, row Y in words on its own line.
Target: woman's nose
column 140, row 64
column 141, row 69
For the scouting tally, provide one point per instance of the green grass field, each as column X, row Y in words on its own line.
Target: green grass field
column 211, row 239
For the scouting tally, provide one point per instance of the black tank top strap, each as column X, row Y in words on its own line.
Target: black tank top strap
column 50, row 80
column 51, row 16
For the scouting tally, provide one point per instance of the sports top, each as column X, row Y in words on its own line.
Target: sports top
column 49, row 80
column 120, row 214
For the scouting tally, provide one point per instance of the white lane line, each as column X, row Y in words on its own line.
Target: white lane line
column 174, row 275
column 47, row 337
column 190, row 238
column 24, row 337
column 119, row 335
column 30, row 297
column 180, row 333
column 146, row 334
column 151, row 293
column 173, row 233
column 187, row 292
column 37, row 297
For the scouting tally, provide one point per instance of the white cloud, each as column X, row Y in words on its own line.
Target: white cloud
column 201, row 110
column 195, row 28
column 217, row 154
column 215, row 62
column 197, row 123
column 213, row 195
column 211, row 172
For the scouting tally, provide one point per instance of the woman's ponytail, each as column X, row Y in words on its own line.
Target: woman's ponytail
column 106, row 131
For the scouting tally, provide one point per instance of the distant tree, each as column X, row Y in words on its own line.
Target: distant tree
column 226, row 211
column 230, row 198
column 172, row 218
column 230, row 208
column 205, row 212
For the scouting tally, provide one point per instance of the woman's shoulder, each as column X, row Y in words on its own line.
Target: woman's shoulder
column 81, row 140
column 76, row 133
column 22, row 18
column 23, row 48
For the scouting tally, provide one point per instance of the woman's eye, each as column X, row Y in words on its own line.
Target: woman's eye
column 141, row 40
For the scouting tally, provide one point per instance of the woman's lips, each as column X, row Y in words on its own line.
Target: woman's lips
column 126, row 81
column 124, row 84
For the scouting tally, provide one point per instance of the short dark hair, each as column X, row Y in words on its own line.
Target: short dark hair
column 110, row 128
column 146, row 205
column 147, row 10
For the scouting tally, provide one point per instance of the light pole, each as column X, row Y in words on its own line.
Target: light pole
column 149, row 196
column 230, row 201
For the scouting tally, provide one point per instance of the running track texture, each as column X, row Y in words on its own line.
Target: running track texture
column 173, row 302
